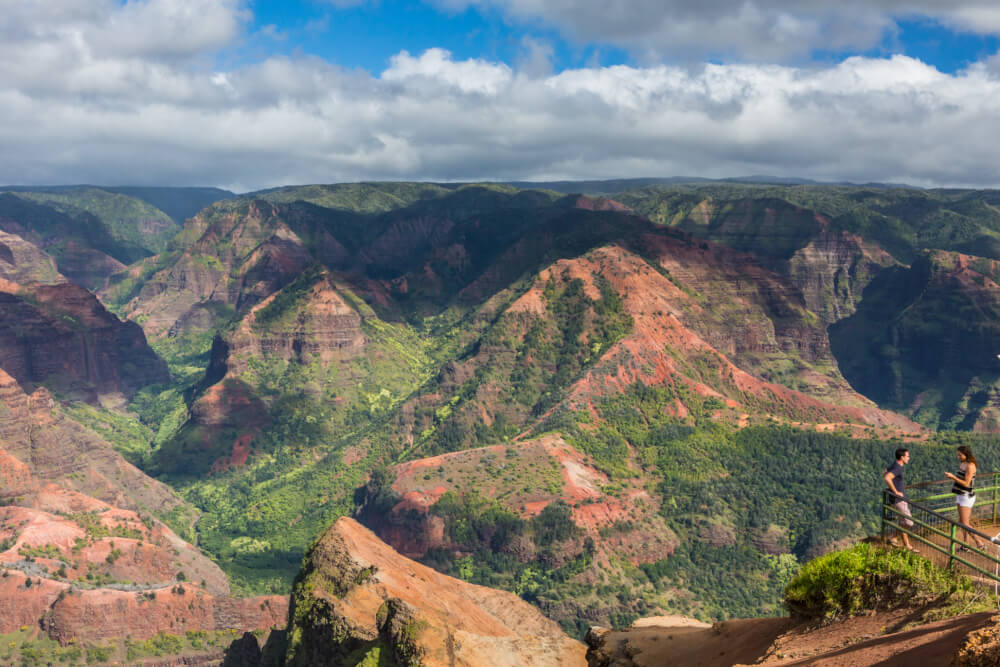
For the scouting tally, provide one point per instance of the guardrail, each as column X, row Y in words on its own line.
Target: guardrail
column 937, row 495
column 930, row 505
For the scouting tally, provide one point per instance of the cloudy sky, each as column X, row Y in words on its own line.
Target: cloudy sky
column 246, row 94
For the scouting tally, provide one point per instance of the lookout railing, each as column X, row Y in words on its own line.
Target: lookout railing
column 935, row 519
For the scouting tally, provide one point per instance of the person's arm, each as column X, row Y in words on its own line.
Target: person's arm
column 970, row 471
column 888, row 477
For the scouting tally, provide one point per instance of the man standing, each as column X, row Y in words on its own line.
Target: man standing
column 894, row 478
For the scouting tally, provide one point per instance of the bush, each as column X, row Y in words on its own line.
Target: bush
column 864, row 577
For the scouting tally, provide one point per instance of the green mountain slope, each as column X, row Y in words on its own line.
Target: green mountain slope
column 667, row 386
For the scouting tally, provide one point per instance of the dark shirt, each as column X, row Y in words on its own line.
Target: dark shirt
column 959, row 487
column 897, row 480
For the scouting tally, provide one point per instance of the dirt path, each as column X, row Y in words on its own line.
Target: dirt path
column 854, row 642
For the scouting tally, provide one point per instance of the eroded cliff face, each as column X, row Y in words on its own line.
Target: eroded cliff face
column 355, row 595
column 306, row 337
column 832, row 271
column 718, row 322
column 62, row 336
column 40, row 446
column 321, row 327
column 924, row 341
column 238, row 254
column 81, row 244
column 829, row 265
column 83, row 554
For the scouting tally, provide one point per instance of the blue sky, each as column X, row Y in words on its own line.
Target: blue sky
column 367, row 35
column 247, row 94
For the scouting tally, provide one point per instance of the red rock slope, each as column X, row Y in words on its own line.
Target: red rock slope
column 357, row 594
column 81, row 553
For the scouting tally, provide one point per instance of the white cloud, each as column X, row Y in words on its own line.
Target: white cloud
column 436, row 68
column 754, row 30
column 76, row 110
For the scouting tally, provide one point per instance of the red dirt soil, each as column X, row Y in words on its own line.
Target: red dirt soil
column 853, row 642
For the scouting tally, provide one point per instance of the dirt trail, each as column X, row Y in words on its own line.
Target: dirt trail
column 854, row 642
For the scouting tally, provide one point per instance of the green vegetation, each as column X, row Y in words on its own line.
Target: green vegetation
column 902, row 221
column 446, row 366
column 867, row 577
column 130, row 437
column 129, row 220
column 356, row 197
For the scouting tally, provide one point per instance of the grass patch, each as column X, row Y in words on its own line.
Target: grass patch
column 867, row 577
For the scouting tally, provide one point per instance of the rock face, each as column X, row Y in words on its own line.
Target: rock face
column 238, row 254
column 62, row 335
column 923, row 341
column 321, row 326
column 39, row 445
column 832, row 271
column 962, row 641
column 82, row 553
column 356, row 594
column 982, row 647
column 103, row 614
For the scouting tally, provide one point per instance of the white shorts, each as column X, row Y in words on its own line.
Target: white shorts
column 965, row 500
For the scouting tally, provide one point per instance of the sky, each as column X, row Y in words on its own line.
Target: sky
column 248, row 94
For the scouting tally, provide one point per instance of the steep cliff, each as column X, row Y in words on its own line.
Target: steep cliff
column 234, row 254
column 62, row 336
column 923, row 341
column 357, row 598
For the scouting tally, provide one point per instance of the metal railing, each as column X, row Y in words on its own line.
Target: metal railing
column 935, row 523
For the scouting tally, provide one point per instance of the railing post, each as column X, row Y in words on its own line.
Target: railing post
column 994, row 485
column 951, row 546
column 885, row 501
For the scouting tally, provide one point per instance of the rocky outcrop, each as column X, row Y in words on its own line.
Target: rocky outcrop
column 832, row 271
column 239, row 253
column 982, row 647
column 103, row 614
column 41, row 446
column 872, row 639
column 61, row 335
column 355, row 593
column 319, row 327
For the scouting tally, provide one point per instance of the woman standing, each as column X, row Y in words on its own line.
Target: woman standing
column 965, row 491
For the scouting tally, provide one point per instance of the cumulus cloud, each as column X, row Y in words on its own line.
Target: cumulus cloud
column 78, row 109
column 754, row 30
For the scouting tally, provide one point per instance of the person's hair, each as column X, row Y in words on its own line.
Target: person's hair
column 900, row 452
column 967, row 453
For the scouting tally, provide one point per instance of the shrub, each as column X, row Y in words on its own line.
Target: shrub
column 867, row 577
